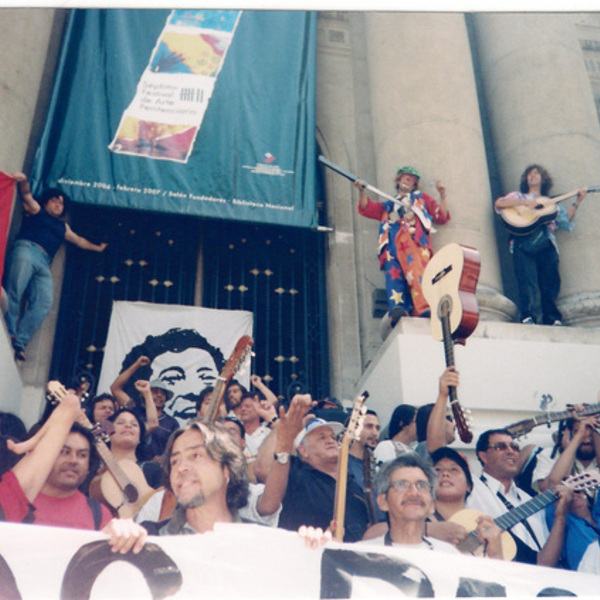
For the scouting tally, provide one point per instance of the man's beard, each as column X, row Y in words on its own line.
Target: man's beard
column 195, row 502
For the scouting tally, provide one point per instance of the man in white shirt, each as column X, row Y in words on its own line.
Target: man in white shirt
column 495, row 493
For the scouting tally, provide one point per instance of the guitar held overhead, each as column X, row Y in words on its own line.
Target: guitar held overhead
column 123, row 486
column 521, row 220
column 238, row 357
column 449, row 284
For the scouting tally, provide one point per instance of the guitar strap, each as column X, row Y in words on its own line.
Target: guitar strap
column 387, row 540
column 96, row 512
column 509, row 505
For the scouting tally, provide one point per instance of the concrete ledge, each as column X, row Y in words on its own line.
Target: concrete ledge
column 508, row 371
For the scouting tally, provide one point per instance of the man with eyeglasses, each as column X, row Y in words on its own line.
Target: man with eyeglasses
column 405, row 491
column 495, row 493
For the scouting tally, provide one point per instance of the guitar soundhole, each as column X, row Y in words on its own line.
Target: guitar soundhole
column 444, row 307
column 131, row 493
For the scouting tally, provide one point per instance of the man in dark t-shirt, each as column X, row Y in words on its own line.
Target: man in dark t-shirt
column 28, row 275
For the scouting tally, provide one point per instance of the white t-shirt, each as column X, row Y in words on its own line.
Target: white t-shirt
column 428, row 543
column 389, row 450
column 151, row 510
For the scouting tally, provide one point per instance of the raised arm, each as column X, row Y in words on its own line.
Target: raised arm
column 143, row 387
column 82, row 243
column 436, row 425
column 289, row 426
column 548, row 556
column 265, row 458
column 117, row 387
column 30, row 204
column 359, row 184
column 267, row 393
column 563, row 466
column 43, row 449
column 441, row 188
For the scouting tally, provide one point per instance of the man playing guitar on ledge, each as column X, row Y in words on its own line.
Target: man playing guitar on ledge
column 535, row 254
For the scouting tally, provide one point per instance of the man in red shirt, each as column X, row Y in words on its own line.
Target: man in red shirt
column 22, row 484
column 61, row 503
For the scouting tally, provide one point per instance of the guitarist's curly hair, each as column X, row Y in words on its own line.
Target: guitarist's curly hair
column 220, row 447
column 547, row 182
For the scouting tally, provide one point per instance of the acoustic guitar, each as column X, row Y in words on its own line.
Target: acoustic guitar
column 521, row 220
column 123, row 486
column 587, row 480
column 351, row 433
column 449, row 284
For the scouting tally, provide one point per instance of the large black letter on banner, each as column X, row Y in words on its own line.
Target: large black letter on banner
column 8, row 583
column 339, row 566
column 160, row 572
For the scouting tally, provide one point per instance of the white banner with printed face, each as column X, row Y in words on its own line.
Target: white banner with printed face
column 187, row 346
column 251, row 561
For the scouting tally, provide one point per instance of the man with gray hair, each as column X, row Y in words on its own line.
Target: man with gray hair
column 405, row 491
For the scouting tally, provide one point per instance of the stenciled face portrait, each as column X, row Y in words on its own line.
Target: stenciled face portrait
column 187, row 374
column 184, row 361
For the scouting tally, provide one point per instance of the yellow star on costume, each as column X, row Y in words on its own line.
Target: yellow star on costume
column 425, row 252
column 397, row 297
column 409, row 277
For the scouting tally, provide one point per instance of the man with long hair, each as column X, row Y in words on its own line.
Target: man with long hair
column 535, row 254
column 28, row 276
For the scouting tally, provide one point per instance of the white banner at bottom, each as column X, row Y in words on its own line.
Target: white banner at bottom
column 250, row 561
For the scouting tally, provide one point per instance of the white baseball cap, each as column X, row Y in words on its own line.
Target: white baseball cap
column 313, row 424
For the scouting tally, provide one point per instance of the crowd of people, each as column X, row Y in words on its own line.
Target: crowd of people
column 123, row 466
column 424, row 491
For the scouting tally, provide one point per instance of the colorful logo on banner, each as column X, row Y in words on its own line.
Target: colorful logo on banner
column 207, row 113
column 173, row 94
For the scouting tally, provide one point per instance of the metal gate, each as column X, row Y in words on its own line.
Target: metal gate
column 276, row 273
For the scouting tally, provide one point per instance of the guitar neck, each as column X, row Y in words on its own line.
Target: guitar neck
column 341, row 486
column 523, row 511
column 527, row 425
column 215, row 401
column 470, row 544
column 459, row 418
column 368, row 484
column 106, row 455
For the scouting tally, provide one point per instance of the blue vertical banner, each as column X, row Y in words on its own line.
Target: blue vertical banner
column 201, row 112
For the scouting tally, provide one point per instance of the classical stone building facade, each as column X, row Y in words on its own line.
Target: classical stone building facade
column 468, row 99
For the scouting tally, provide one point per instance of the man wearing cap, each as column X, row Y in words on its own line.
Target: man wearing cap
column 453, row 486
column 310, row 495
column 404, row 245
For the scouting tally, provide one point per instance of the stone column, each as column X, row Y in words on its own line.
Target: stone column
column 542, row 111
column 29, row 41
column 426, row 114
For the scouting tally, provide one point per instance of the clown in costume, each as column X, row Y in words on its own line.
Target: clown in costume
column 404, row 245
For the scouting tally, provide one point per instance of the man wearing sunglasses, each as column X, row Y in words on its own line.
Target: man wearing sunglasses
column 495, row 493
